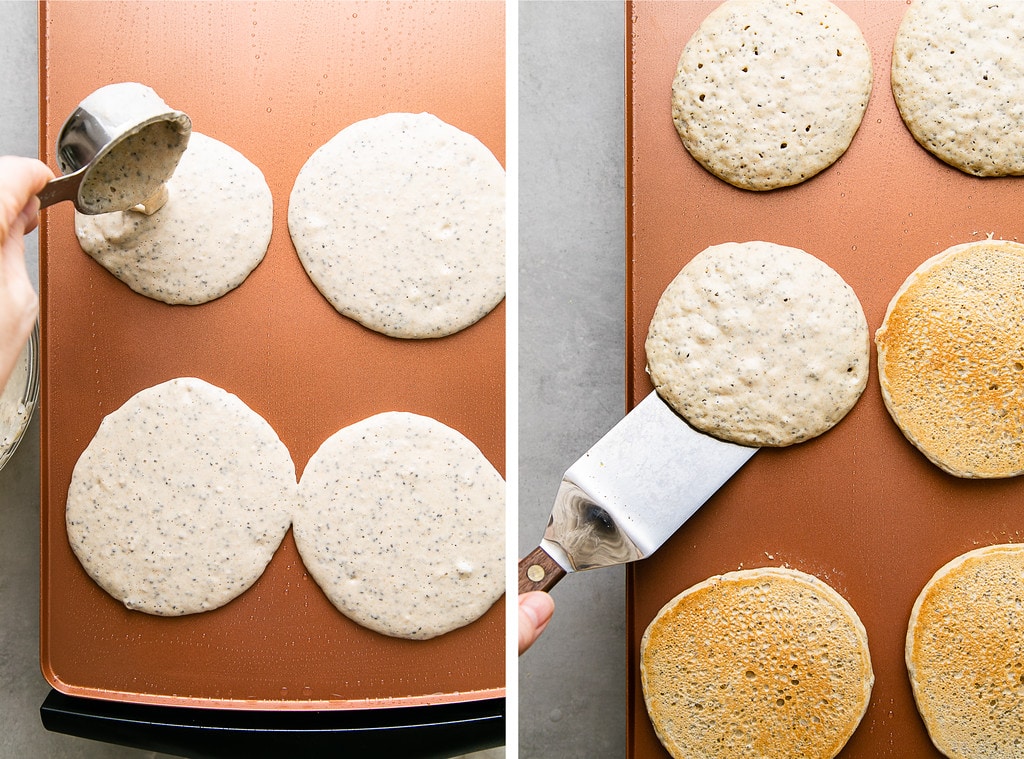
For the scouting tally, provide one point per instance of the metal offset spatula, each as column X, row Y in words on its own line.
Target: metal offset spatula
column 629, row 493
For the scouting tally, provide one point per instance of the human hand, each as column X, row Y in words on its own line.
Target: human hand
column 20, row 180
column 535, row 610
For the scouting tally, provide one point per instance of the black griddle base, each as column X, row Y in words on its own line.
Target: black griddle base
column 421, row 732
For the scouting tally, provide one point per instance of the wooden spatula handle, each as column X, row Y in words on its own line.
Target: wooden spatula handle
column 538, row 571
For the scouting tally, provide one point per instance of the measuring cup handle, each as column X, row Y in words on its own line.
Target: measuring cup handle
column 61, row 188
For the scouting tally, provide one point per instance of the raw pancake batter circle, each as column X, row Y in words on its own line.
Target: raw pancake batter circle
column 399, row 221
column 207, row 238
column 767, row 94
column 958, row 80
column 965, row 656
column 767, row 662
column 401, row 524
column 951, row 359
column 178, row 503
column 759, row 344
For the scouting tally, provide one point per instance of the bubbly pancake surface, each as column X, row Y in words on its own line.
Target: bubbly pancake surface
column 958, row 80
column 401, row 524
column 951, row 359
column 759, row 344
column 203, row 242
column 767, row 662
column 965, row 654
column 179, row 501
column 399, row 221
column 768, row 93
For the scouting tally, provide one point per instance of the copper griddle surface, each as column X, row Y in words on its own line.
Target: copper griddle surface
column 859, row 507
column 275, row 81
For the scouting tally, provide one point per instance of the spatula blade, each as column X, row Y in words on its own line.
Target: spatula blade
column 630, row 492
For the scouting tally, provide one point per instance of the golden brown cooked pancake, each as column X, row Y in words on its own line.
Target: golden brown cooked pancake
column 965, row 654
column 951, row 359
column 765, row 662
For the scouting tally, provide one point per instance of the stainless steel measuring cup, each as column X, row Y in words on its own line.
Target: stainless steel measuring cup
column 116, row 150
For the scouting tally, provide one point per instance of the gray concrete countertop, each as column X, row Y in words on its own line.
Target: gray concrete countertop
column 572, row 683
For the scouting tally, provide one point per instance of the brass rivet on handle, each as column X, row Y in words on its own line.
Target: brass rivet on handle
column 535, row 572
